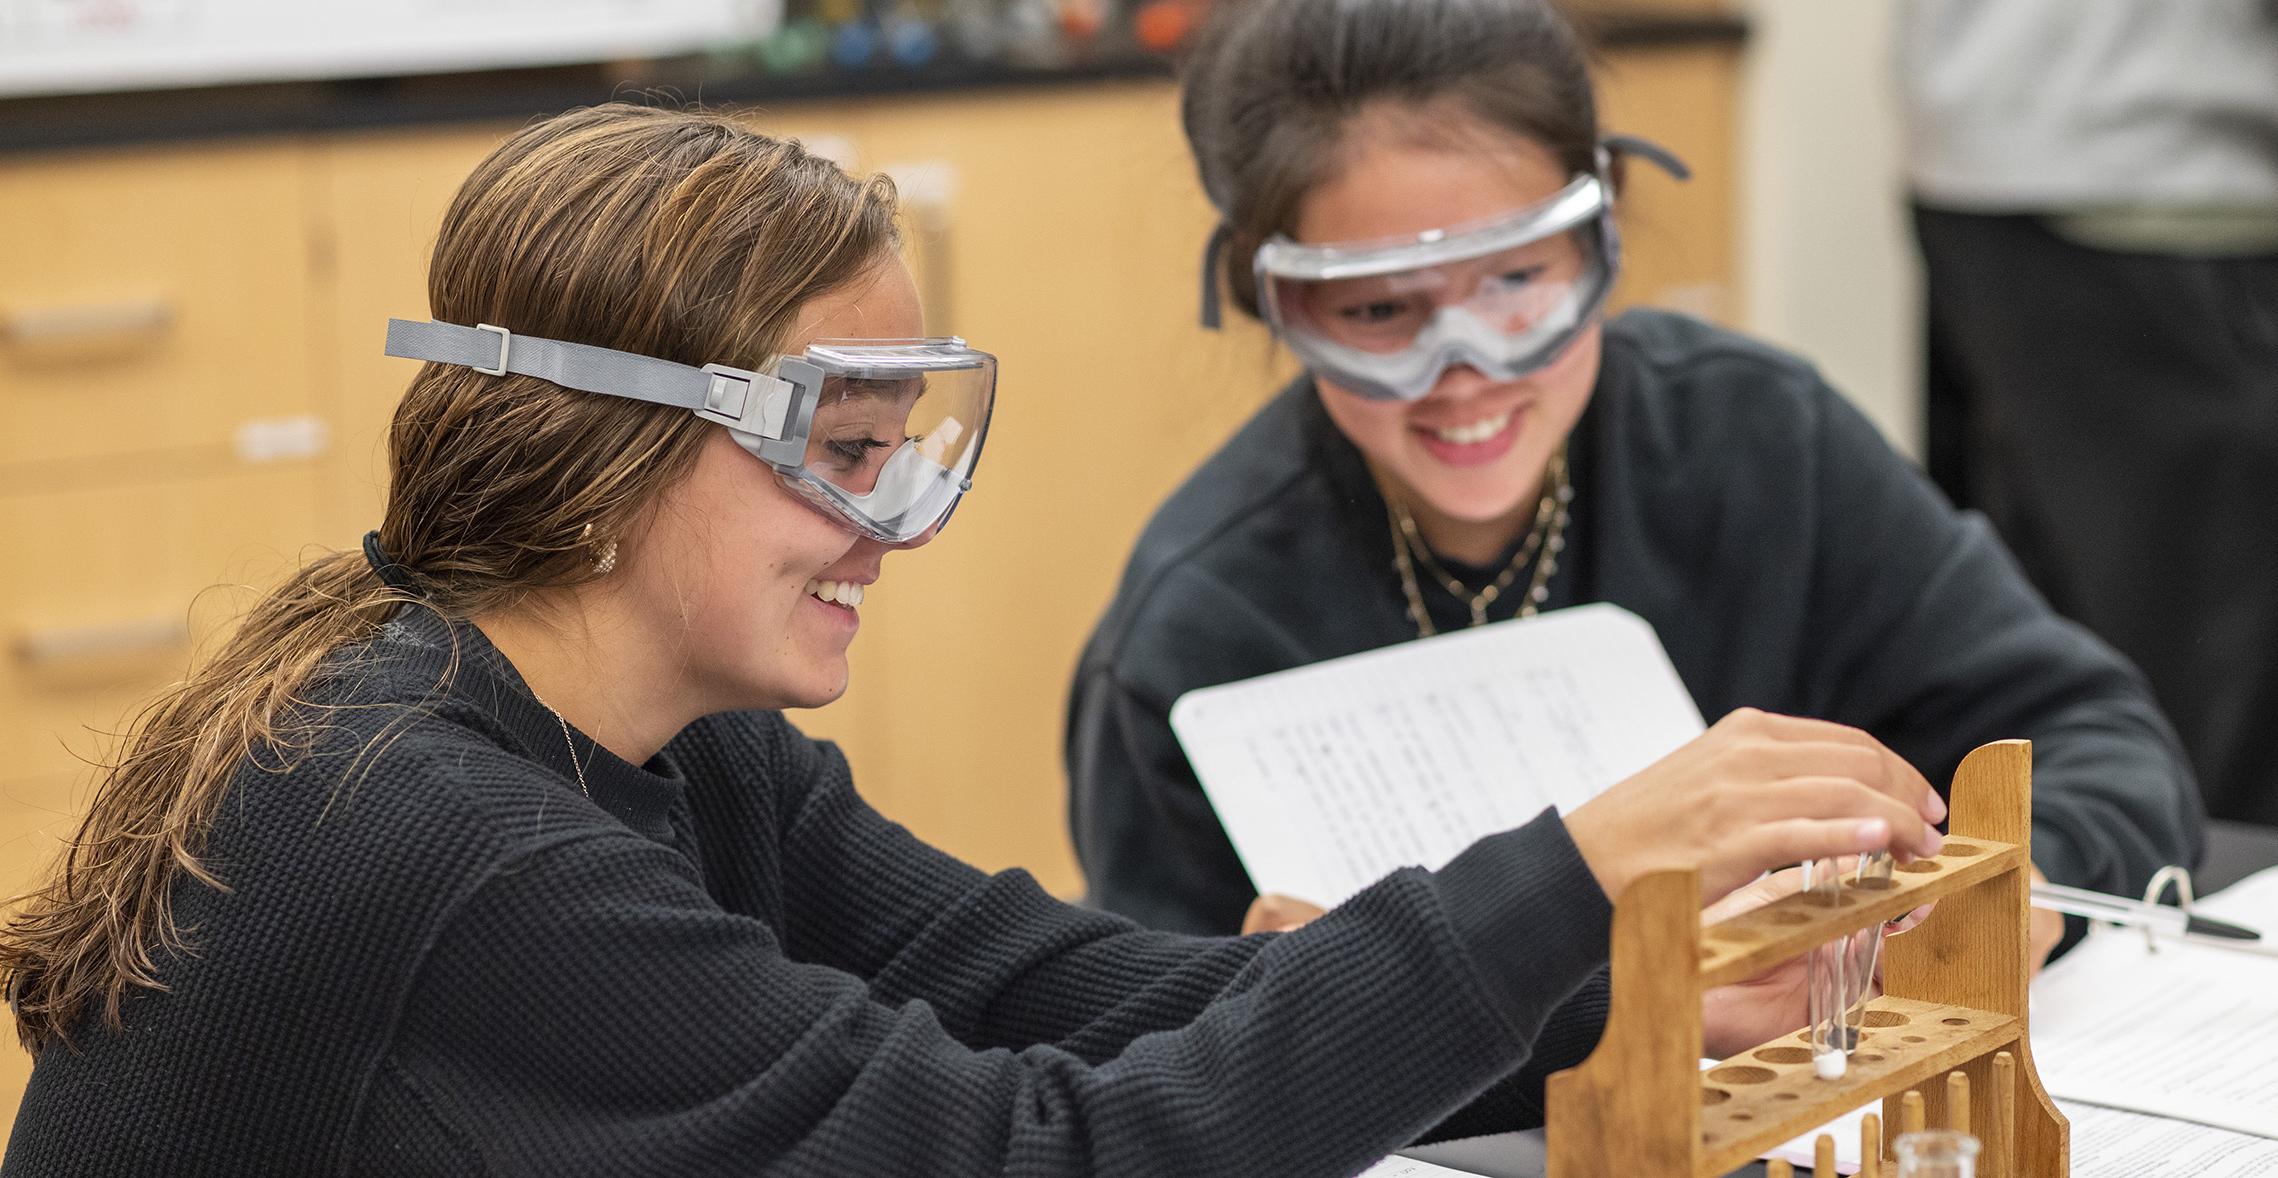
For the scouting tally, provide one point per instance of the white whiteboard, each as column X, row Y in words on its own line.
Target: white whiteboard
column 83, row 46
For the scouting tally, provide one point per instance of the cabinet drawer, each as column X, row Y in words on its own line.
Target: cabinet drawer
column 152, row 300
column 102, row 591
column 37, row 816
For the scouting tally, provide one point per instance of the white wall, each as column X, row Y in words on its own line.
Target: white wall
column 1828, row 267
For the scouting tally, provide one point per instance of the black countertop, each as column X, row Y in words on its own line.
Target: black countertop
column 159, row 116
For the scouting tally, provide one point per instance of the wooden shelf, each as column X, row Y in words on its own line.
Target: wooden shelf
column 1754, row 941
column 1905, row 1043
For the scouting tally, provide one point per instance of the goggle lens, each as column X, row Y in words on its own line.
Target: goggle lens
column 895, row 433
column 1510, row 290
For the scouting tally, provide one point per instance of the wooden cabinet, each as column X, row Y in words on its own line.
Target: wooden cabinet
column 1060, row 229
column 38, row 814
column 159, row 423
column 106, row 588
column 153, row 304
column 1680, row 238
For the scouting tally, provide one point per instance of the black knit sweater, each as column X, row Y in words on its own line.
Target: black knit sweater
column 435, row 957
column 1788, row 559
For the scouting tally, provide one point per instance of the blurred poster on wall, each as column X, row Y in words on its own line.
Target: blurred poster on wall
column 84, row 46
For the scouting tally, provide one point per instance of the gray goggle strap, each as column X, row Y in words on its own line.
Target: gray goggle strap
column 1212, row 250
column 777, row 408
column 1646, row 149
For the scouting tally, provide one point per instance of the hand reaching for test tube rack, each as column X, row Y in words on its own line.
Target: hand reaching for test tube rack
column 1755, row 791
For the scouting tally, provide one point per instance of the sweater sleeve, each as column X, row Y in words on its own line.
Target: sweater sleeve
column 1001, row 962
column 1005, row 965
column 591, row 1010
column 1931, row 638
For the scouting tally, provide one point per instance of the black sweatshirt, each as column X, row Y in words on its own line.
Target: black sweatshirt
column 1789, row 560
column 435, row 957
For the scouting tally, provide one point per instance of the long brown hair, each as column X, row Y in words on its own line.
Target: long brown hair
column 675, row 234
column 1273, row 85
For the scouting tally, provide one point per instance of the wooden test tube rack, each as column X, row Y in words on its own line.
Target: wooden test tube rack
column 1953, row 999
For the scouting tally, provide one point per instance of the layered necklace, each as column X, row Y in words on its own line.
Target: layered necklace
column 1545, row 540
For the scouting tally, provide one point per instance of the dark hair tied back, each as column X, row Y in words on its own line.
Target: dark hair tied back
column 1272, row 84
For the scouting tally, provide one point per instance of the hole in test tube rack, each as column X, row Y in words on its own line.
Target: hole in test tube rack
column 1783, row 1055
column 1742, row 1074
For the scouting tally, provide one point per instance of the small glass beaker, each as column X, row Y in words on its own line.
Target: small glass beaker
column 1937, row 1153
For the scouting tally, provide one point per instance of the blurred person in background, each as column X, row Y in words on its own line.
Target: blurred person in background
column 2096, row 200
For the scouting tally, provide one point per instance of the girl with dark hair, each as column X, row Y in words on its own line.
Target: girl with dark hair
column 485, row 851
column 1417, row 198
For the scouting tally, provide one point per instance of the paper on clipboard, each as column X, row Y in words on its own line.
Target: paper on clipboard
column 2189, row 1032
column 1327, row 777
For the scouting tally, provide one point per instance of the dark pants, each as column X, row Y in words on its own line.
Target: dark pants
column 2116, row 416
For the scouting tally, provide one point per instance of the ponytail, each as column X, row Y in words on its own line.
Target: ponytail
column 105, row 916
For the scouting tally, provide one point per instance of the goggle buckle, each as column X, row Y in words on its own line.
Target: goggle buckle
column 505, row 349
column 741, row 400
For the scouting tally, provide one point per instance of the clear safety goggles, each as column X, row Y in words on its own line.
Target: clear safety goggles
column 881, row 434
column 1386, row 318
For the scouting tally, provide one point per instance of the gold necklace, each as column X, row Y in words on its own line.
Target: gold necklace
column 1546, row 537
column 575, row 766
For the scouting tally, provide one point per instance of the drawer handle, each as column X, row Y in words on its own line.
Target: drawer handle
column 91, row 321
column 75, row 644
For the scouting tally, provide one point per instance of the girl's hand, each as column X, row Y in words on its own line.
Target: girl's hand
column 1757, row 791
column 1746, row 1014
column 2043, row 932
column 1276, row 913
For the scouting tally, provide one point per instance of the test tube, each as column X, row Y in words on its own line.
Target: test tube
column 1826, row 972
column 1937, row 1153
column 1866, row 949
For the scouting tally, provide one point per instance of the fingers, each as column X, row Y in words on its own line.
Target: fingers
column 1909, row 786
column 1758, row 892
column 1796, row 745
column 2044, row 933
column 1796, row 839
column 1838, row 797
column 1758, row 791
column 1277, row 913
column 1908, row 921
